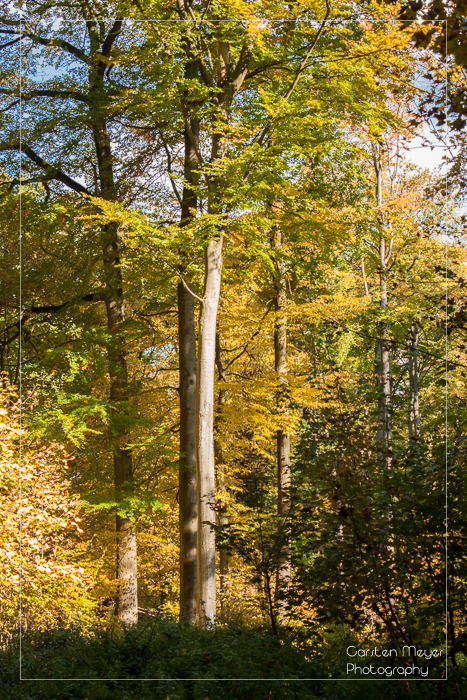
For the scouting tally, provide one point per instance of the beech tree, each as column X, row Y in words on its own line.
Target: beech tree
column 81, row 98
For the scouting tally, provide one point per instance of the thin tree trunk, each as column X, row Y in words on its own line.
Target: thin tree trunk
column 187, row 470
column 365, row 282
column 207, row 594
column 223, row 519
column 383, row 369
column 188, row 496
column 221, row 485
column 206, row 607
column 126, row 607
column 284, row 477
column 127, row 599
column 414, row 410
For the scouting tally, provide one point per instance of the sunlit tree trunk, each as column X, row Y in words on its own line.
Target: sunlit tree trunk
column 229, row 79
column 213, row 261
column 206, row 607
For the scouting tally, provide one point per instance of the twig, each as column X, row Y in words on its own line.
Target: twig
column 189, row 290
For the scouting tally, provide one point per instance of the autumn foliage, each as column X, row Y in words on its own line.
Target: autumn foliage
column 42, row 551
column 237, row 322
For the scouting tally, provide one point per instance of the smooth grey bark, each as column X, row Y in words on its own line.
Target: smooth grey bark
column 230, row 79
column 365, row 282
column 226, row 79
column 284, row 476
column 206, row 607
column 188, row 495
column 223, row 517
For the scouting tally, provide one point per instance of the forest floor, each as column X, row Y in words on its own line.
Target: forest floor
column 174, row 662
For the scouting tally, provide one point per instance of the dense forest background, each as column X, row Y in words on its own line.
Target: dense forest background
column 232, row 346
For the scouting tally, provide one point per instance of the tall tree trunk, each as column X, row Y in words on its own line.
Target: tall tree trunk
column 127, row 599
column 206, row 607
column 414, row 410
column 207, row 594
column 221, row 485
column 187, row 470
column 223, row 517
column 383, row 369
column 126, row 607
column 229, row 82
column 284, row 478
column 188, row 495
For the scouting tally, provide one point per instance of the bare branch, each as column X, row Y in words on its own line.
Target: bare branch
column 169, row 169
column 388, row 256
column 189, row 290
column 109, row 42
column 12, row 104
column 364, row 277
column 371, row 245
column 44, row 41
column 10, row 43
column 60, row 94
column 52, row 172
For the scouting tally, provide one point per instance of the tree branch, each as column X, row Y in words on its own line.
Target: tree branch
column 61, row 94
column 48, row 309
column 10, row 43
column 52, row 172
column 371, row 245
column 109, row 42
column 241, row 69
column 169, row 169
column 189, row 290
column 36, row 39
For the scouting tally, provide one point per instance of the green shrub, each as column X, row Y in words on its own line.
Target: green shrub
column 174, row 662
